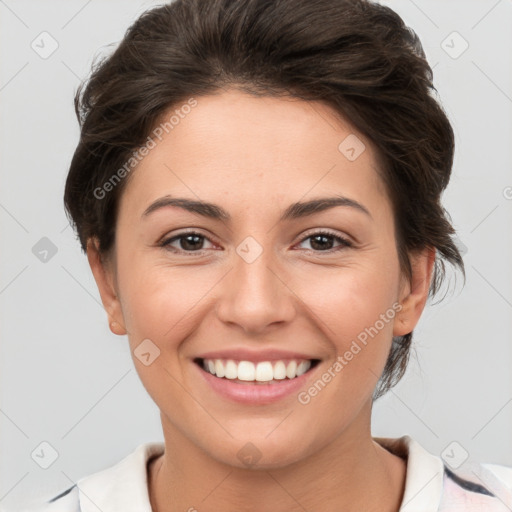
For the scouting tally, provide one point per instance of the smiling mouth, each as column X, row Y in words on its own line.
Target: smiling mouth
column 262, row 372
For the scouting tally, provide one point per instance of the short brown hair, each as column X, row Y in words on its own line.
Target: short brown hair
column 355, row 55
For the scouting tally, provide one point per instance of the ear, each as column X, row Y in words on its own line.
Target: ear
column 104, row 277
column 414, row 293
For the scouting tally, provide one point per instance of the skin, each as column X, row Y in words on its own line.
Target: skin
column 254, row 157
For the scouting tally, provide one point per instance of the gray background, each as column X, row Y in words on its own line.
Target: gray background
column 66, row 380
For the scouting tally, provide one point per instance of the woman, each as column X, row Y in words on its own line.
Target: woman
column 257, row 189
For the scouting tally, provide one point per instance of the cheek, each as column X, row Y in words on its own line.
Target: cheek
column 160, row 302
column 356, row 309
column 352, row 298
column 357, row 320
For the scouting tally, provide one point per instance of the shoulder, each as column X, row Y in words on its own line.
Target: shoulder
column 444, row 484
column 479, row 487
column 122, row 486
column 66, row 501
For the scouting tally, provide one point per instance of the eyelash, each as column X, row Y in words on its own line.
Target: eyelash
column 166, row 243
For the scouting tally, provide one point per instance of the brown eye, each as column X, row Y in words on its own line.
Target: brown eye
column 189, row 242
column 322, row 241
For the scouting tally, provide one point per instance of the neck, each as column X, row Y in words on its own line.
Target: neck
column 352, row 473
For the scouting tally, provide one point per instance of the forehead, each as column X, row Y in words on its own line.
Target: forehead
column 232, row 144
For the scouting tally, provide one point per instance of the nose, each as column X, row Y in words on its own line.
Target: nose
column 256, row 295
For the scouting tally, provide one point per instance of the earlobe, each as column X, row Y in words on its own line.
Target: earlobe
column 116, row 328
column 414, row 294
column 103, row 275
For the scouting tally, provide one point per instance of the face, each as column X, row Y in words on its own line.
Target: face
column 259, row 286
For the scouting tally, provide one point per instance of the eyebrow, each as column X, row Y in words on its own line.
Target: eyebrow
column 294, row 211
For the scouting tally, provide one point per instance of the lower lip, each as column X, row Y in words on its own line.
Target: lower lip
column 255, row 393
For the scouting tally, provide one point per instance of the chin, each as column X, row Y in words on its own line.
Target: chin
column 263, row 453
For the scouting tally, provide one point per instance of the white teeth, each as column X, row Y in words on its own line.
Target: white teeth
column 263, row 371
column 231, row 370
column 303, row 367
column 279, row 370
column 246, row 370
column 219, row 368
column 291, row 369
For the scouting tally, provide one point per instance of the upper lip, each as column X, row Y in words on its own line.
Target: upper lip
column 243, row 354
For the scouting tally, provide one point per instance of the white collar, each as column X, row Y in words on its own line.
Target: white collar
column 124, row 486
column 120, row 487
column 424, row 477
